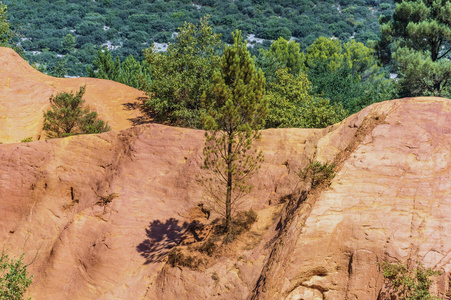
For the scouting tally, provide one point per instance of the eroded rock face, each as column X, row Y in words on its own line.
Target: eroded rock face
column 25, row 93
column 96, row 215
column 391, row 199
column 51, row 208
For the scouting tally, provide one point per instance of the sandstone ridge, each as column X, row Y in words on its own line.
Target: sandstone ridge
column 96, row 215
column 25, row 92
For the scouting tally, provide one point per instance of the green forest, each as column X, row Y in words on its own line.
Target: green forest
column 66, row 34
column 321, row 60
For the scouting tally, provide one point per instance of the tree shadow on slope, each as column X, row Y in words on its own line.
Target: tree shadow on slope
column 146, row 116
column 162, row 237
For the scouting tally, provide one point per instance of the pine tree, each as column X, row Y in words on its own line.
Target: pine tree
column 236, row 111
column 67, row 116
column 420, row 32
column 104, row 66
column 134, row 74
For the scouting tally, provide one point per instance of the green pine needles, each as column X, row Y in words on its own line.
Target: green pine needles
column 318, row 173
column 236, row 110
column 67, row 116
column 420, row 33
column 130, row 72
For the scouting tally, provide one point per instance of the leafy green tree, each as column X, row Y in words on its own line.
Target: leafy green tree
column 292, row 105
column 420, row 32
column 5, row 31
column 236, row 111
column 344, row 73
column 67, row 116
column 68, row 44
column 283, row 54
column 182, row 74
column 14, row 279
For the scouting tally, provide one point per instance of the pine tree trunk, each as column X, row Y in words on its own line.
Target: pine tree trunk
column 229, row 189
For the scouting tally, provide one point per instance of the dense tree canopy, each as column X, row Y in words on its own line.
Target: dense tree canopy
column 126, row 27
column 346, row 73
column 291, row 104
column 420, row 33
column 282, row 54
column 5, row 32
column 183, row 74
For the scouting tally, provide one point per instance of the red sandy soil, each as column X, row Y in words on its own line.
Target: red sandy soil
column 25, row 93
column 96, row 215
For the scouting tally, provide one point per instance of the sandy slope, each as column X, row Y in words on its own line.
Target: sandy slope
column 25, row 92
column 390, row 199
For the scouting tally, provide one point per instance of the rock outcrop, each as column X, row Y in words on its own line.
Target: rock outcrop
column 389, row 201
column 97, row 215
column 25, row 93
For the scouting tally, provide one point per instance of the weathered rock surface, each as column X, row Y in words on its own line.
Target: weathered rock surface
column 96, row 215
column 390, row 200
column 25, row 93
column 78, row 249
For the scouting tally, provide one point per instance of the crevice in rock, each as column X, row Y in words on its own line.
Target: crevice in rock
column 307, row 198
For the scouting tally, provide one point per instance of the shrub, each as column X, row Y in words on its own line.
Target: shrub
column 209, row 247
column 318, row 173
column 241, row 223
column 409, row 283
column 67, row 116
column 27, row 140
column 14, row 280
column 177, row 258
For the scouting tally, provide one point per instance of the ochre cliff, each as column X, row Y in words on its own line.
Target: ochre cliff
column 389, row 200
column 96, row 215
column 25, row 93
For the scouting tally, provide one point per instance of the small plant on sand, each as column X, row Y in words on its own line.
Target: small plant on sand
column 409, row 283
column 178, row 258
column 318, row 173
column 104, row 200
column 14, row 280
column 241, row 223
column 27, row 140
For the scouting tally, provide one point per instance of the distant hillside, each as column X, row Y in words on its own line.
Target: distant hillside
column 127, row 27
